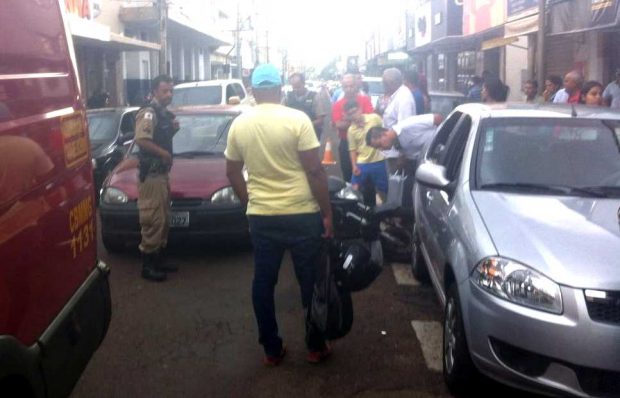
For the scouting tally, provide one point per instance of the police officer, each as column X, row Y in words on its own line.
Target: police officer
column 307, row 101
column 155, row 127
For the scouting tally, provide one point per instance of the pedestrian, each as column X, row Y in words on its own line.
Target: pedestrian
column 307, row 101
column 351, row 92
column 530, row 89
column 571, row 93
column 409, row 135
column 359, row 82
column 494, row 90
column 155, row 128
column 401, row 105
column 287, row 202
column 592, row 93
column 553, row 84
column 368, row 164
column 474, row 93
column 423, row 86
column 412, row 81
column 611, row 95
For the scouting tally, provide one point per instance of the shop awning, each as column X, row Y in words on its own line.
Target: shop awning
column 497, row 42
column 461, row 43
column 448, row 44
column 521, row 27
column 89, row 33
column 583, row 16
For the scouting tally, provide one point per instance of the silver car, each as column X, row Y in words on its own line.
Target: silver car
column 518, row 228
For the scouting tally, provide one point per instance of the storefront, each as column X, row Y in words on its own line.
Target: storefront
column 99, row 51
column 584, row 36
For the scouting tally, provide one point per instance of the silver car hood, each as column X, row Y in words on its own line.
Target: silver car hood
column 574, row 241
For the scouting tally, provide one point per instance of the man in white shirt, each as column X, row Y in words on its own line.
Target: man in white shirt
column 611, row 95
column 410, row 136
column 400, row 106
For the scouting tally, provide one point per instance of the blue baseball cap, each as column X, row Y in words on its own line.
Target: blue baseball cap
column 266, row 76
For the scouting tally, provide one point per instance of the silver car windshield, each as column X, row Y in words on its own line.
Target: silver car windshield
column 549, row 156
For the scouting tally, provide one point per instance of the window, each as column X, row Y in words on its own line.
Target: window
column 525, row 153
column 455, row 148
column 230, row 92
column 128, row 122
column 438, row 146
column 208, row 95
column 239, row 90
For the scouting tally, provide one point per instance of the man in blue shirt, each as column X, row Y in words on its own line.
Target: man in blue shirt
column 412, row 81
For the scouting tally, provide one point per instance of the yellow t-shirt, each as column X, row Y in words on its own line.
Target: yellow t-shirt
column 267, row 138
column 356, row 136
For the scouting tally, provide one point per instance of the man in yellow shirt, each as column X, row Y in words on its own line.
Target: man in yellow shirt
column 368, row 163
column 287, row 202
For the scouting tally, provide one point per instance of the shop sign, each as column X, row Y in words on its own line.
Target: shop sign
column 604, row 12
column 480, row 15
column 423, row 24
column 85, row 9
column 515, row 7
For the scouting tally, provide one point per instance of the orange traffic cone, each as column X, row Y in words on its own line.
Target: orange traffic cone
column 328, row 156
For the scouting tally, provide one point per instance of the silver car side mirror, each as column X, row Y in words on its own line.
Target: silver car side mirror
column 432, row 175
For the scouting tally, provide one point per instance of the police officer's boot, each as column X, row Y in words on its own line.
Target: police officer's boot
column 149, row 270
column 163, row 264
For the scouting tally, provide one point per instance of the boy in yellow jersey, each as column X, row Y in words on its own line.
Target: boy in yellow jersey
column 288, row 203
column 368, row 163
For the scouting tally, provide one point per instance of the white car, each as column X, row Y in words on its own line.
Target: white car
column 375, row 88
column 210, row 92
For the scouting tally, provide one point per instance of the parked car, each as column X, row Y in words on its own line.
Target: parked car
column 55, row 302
column 517, row 226
column 204, row 205
column 375, row 88
column 210, row 92
column 111, row 130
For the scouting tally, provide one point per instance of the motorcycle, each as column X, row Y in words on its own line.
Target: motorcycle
column 365, row 234
column 356, row 215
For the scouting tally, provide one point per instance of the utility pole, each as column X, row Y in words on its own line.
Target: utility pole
column 163, row 36
column 540, row 44
column 238, row 43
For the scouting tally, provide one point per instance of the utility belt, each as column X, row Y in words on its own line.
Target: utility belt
column 150, row 165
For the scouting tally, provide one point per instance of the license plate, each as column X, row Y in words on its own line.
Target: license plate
column 179, row 219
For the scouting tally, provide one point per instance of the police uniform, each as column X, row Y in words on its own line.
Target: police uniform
column 308, row 104
column 154, row 122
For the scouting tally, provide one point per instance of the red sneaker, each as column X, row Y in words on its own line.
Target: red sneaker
column 274, row 360
column 319, row 356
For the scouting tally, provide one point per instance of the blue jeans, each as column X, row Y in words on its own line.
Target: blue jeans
column 271, row 236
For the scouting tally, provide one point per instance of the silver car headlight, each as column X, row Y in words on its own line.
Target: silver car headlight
column 225, row 196
column 113, row 196
column 515, row 282
column 348, row 193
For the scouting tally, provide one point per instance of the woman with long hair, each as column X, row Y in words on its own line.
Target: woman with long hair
column 592, row 93
column 494, row 90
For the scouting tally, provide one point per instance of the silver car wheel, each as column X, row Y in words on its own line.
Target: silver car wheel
column 449, row 340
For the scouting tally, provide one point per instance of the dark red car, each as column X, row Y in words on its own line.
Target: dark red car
column 204, row 205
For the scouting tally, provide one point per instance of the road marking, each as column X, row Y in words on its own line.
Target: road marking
column 430, row 335
column 403, row 275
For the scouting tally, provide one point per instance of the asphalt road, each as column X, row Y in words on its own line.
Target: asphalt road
column 195, row 336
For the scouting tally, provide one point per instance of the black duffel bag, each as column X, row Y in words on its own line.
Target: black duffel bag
column 331, row 309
